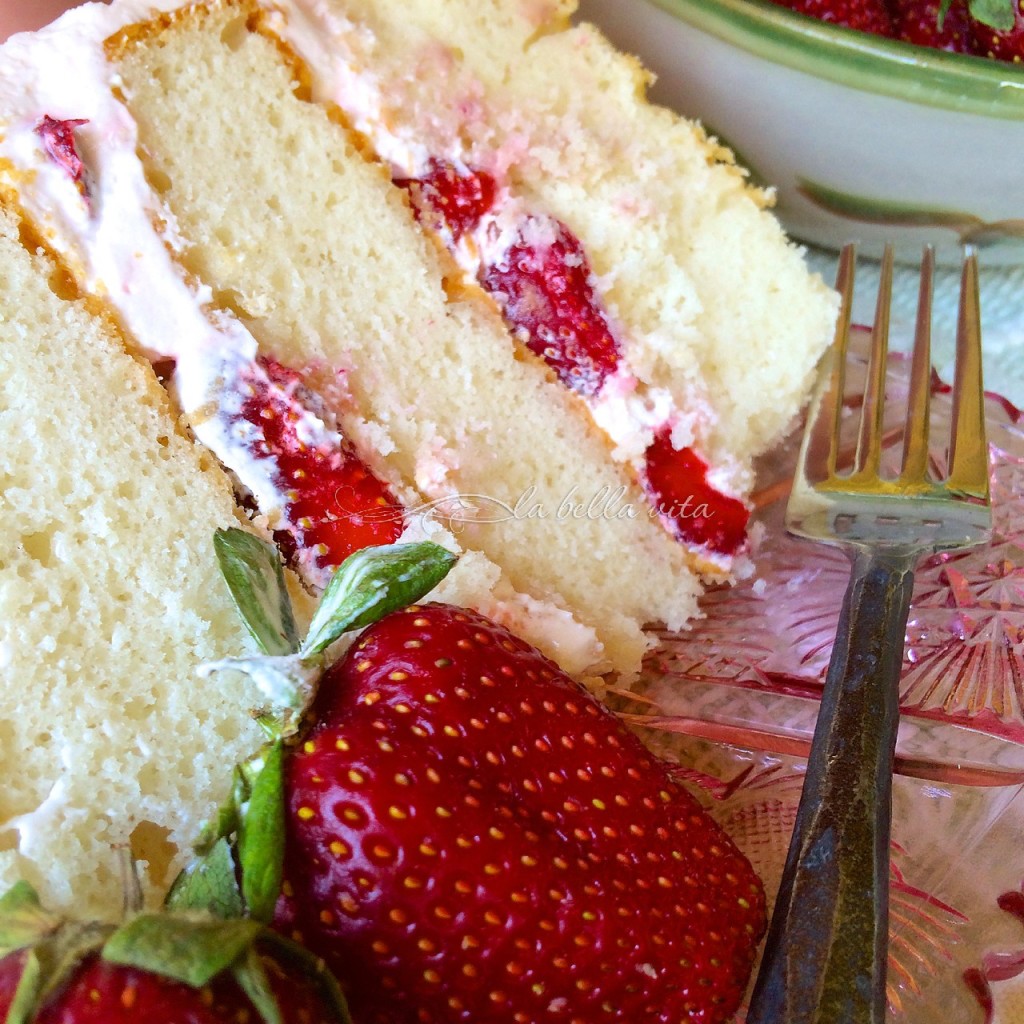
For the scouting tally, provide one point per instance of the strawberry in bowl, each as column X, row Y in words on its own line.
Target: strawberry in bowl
column 875, row 120
column 992, row 30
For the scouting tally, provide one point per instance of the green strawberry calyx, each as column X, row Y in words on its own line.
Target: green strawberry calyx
column 368, row 585
column 194, row 946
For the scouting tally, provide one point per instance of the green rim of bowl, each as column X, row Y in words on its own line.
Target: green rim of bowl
column 859, row 60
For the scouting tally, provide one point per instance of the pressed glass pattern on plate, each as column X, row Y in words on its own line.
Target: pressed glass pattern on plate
column 734, row 699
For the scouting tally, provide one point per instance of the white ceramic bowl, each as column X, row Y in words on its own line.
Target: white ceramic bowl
column 863, row 138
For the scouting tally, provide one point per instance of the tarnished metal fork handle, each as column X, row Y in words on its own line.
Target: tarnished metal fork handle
column 825, row 955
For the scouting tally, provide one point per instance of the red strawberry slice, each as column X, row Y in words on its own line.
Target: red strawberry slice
column 334, row 504
column 544, row 287
column 449, row 199
column 1006, row 44
column 917, row 21
column 59, row 142
column 542, row 282
column 472, row 838
column 866, row 15
column 697, row 512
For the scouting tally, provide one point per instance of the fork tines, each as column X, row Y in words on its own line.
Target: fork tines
column 968, row 452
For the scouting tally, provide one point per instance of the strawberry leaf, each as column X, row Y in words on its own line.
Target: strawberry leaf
column 23, row 920
column 209, row 883
column 192, row 949
column 261, row 836
column 253, row 573
column 998, row 14
column 252, row 979
column 371, row 583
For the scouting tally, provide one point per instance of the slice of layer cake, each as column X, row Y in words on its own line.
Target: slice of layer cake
column 109, row 600
column 404, row 271
column 432, row 262
column 404, row 259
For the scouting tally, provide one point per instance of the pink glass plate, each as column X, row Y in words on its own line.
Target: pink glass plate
column 733, row 701
column 751, row 671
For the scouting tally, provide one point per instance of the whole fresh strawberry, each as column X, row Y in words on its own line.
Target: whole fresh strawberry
column 469, row 836
column 192, row 968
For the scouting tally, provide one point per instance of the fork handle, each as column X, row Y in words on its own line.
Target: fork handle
column 825, row 955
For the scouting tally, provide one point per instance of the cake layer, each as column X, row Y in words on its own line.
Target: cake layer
column 109, row 600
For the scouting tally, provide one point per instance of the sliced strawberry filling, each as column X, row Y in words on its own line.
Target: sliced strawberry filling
column 59, row 142
column 697, row 512
column 449, row 198
column 543, row 285
column 334, row 504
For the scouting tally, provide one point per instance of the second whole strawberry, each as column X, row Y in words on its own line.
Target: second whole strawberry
column 192, row 966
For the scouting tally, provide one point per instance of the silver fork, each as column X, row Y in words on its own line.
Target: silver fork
column 825, row 955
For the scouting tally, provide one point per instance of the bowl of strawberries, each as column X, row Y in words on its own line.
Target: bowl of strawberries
column 871, row 120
